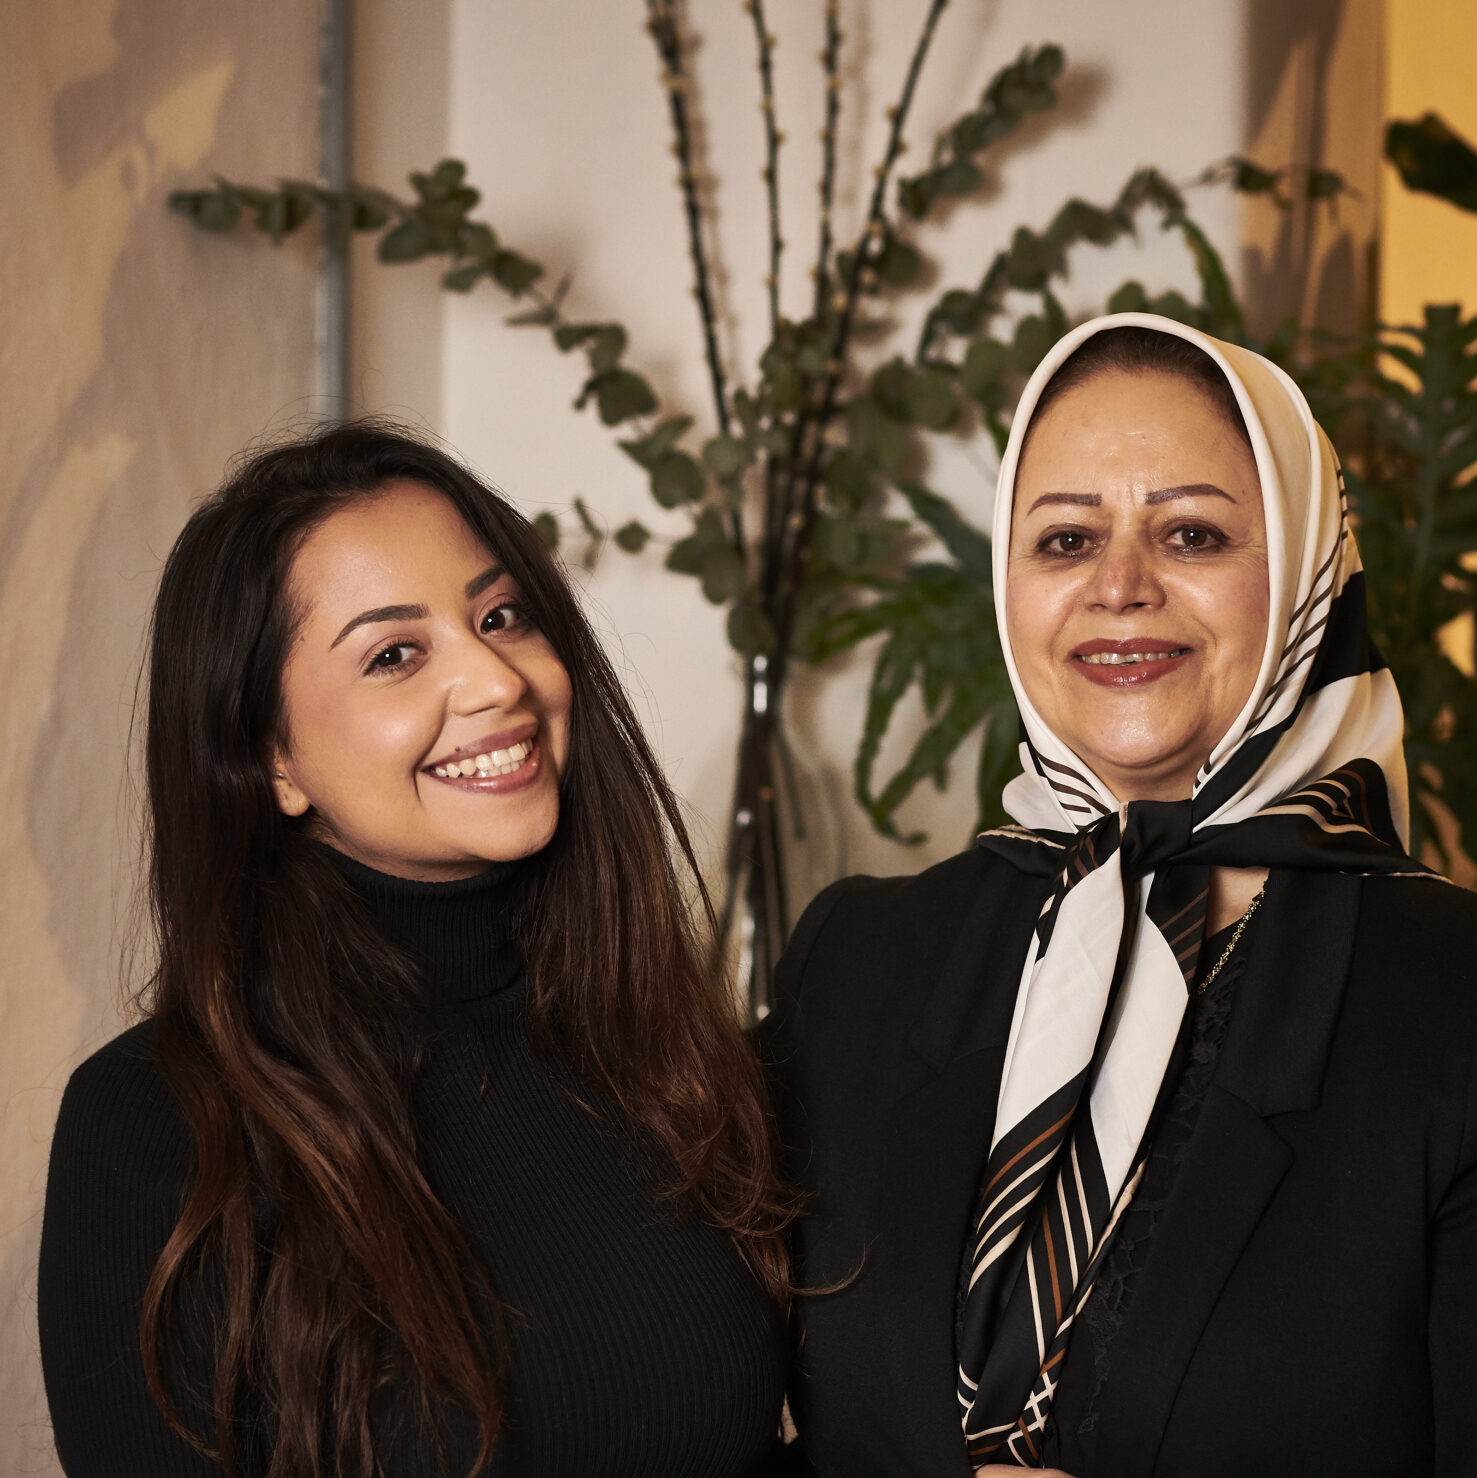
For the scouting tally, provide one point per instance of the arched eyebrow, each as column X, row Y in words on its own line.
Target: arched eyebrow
column 1160, row 495
column 474, row 587
column 381, row 613
column 490, row 576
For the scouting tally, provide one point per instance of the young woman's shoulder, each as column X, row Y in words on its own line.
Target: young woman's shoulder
column 120, row 1165
column 118, row 1111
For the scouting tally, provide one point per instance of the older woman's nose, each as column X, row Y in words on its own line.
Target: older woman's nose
column 1122, row 577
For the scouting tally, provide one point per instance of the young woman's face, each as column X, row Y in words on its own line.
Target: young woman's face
column 426, row 716
column 1136, row 590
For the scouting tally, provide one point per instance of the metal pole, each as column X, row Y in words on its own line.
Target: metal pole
column 331, row 329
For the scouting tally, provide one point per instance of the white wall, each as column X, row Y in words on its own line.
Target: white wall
column 557, row 109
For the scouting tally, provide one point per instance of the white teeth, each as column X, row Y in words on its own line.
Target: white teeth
column 495, row 762
column 1122, row 659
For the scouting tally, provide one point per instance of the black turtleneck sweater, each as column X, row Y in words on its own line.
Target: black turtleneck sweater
column 636, row 1340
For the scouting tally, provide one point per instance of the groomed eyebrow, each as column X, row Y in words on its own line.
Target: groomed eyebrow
column 490, row 576
column 474, row 587
column 381, row 613
column 1161, row 495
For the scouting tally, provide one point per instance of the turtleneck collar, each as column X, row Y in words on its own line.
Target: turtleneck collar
column 457, row 930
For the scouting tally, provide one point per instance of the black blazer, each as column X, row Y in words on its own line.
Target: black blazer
column 1310, row 1302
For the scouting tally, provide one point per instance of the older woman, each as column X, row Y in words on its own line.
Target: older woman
column 1143, row 1138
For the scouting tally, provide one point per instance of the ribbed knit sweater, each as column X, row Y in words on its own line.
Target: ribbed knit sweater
column 637, row 1341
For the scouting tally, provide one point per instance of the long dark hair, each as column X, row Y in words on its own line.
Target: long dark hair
column 285, row 1042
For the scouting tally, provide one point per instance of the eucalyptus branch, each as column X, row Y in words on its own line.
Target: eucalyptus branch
column 662, row 25
column 798, row 518
column 830, row 56
column 773, row 138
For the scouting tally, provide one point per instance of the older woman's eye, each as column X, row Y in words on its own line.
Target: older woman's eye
column 1066, row 542
column 508, row 616
column 1195, row 536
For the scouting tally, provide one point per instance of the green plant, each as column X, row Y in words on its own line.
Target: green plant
column 810, row 519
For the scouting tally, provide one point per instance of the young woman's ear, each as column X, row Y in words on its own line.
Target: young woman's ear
column 290, row 800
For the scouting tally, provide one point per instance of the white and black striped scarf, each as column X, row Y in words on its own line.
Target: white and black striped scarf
column 1310, row 774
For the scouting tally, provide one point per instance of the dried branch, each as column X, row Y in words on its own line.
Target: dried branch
column 773, row 138
column 829, row 58
column 662, row 24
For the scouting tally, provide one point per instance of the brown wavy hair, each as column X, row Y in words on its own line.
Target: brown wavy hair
column 309, row 1228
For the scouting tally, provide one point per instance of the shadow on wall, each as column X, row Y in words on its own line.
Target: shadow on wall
column 1311, row 71
column 136, row 361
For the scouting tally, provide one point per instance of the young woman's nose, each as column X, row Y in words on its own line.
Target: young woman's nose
column 483, row 677
column 1122, row 577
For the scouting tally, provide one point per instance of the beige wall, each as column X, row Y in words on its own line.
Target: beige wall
column 558, row 111
column 135, row 357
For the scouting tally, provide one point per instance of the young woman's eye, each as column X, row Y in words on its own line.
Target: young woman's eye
column 388, row 659
column 508, row 616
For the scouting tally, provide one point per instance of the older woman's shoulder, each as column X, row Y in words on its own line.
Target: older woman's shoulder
column 1438, row 914
column 884, row 935
column 1420, row 927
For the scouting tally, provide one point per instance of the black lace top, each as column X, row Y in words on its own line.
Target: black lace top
column 1072, row 1443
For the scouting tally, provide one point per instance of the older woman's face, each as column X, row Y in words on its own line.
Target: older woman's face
column 1136, row 593
column 427, row 716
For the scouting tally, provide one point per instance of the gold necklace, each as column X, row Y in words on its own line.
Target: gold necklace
column 1215, row 969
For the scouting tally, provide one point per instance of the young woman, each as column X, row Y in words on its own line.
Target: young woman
column 1141, row 1137
column 438, row 1149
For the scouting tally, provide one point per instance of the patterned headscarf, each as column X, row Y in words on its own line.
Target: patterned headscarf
column 1309, row 774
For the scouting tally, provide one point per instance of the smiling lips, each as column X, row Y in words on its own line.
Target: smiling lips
column 1129, row 662
column 489, row 766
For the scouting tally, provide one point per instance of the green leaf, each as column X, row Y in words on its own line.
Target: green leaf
column 210, row 210
column 281, row 214
column 1434, row 159
column 1325, row 184
column 651, row 448
column 676, row 479
column 848, row 481
column 899, row 264
column 999, row 761
column 1033, row 341
column 915, row 195
column 407, row 242
column 632, row 537
column 1029, row 263
column 1130, row 298
column 1249, row 178
column 463, row 279
column 960, row 312
column 514, row 273
column 606, row 346
column 969, row 545
column 873, row 434
column 985, row 363
column 707, row 554
column 726, row 457
column 621, row 394
column 544, row 316
column 546, row 526
column 478, row 240
column 369, row 209
column 931, row 401
column 750, row 631
column 958, row 177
